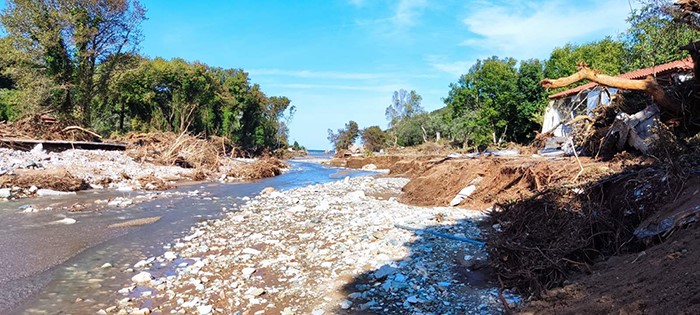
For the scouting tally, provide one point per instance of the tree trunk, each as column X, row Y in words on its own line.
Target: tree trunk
column 122, row 116
column 648, row 85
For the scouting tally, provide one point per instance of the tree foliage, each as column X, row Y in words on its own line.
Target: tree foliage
column 374, row 138
column 606, row 55
column 63, row 43
column 654, row 36
column 499, row 100
column 344, row 138
column 403, row 105
column 78, row 58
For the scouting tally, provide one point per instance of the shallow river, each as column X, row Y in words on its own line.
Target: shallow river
column 55, row 268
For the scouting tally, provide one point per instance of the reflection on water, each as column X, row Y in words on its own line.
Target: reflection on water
column 41, row 273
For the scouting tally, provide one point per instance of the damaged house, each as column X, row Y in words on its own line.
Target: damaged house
column 565, row 106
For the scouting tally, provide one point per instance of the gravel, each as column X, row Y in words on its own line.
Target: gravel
column 96, row 167
column 321, row 249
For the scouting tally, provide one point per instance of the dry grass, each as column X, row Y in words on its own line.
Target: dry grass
column 184, row 150
column 259, row 169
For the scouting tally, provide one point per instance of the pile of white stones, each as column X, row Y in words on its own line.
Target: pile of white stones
column 320, row 249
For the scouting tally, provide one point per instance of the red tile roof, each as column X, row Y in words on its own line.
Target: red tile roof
column 685, row 64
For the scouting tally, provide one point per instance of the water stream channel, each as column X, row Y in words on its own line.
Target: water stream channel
column 49, row 267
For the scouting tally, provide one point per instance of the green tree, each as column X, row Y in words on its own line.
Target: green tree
column 66, row 41
column 403, row 105
column 654, row 36
column 491, row 90
column 532, row 100
column 606, row 56
column 374, row 138
column 342, row 139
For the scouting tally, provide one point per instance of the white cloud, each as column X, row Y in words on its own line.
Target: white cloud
column 405, row 14
column 408, row 11
column 455, row 68
column 532, row 29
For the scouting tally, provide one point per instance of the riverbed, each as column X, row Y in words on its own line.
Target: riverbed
column 55, row 261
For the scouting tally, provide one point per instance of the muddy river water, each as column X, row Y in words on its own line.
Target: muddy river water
column 50, row 267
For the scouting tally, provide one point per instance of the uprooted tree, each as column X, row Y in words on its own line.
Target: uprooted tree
column 641, row 125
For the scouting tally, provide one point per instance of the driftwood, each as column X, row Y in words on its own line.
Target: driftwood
column 70, row 128
column 648, row 85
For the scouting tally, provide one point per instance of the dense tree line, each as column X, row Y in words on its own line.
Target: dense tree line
column 500, row 99
column 78, row 59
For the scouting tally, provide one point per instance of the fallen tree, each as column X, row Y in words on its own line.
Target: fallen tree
column 667, row 114
column 648, row 85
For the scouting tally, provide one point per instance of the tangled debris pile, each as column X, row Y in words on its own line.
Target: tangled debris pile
column 257, row 169
column 321, row 249
column 45, row 127
column 167, row 148
column 542, row 240
column 211, row 158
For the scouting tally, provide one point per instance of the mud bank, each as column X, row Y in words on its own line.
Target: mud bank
column 602, row 230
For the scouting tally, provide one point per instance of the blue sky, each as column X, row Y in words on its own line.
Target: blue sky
column 339, row 60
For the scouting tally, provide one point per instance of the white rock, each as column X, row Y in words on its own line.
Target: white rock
column 143, row 311
column 27, row 209
column 170, row 256
column 106, row 265
column 463, row 194
column 346, row 304
column 355, row 195
column 66, row 221
column 33, row 189
column 369, row 167
column 250, row 251
column 247, row 272
column 255, row 292
column 5, row 193
column 142, row 277
column 267, row 190
column 50, row 192
column 124, row 187
column 141, row 264
column 204, row 309
column 38, row 151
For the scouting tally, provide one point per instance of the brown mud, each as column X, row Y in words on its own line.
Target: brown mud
column 565, row 236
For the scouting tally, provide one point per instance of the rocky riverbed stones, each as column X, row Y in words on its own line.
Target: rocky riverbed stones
column 100, row 169
column 322, row 249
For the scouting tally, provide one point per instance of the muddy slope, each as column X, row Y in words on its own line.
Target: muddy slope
column 496, row 180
